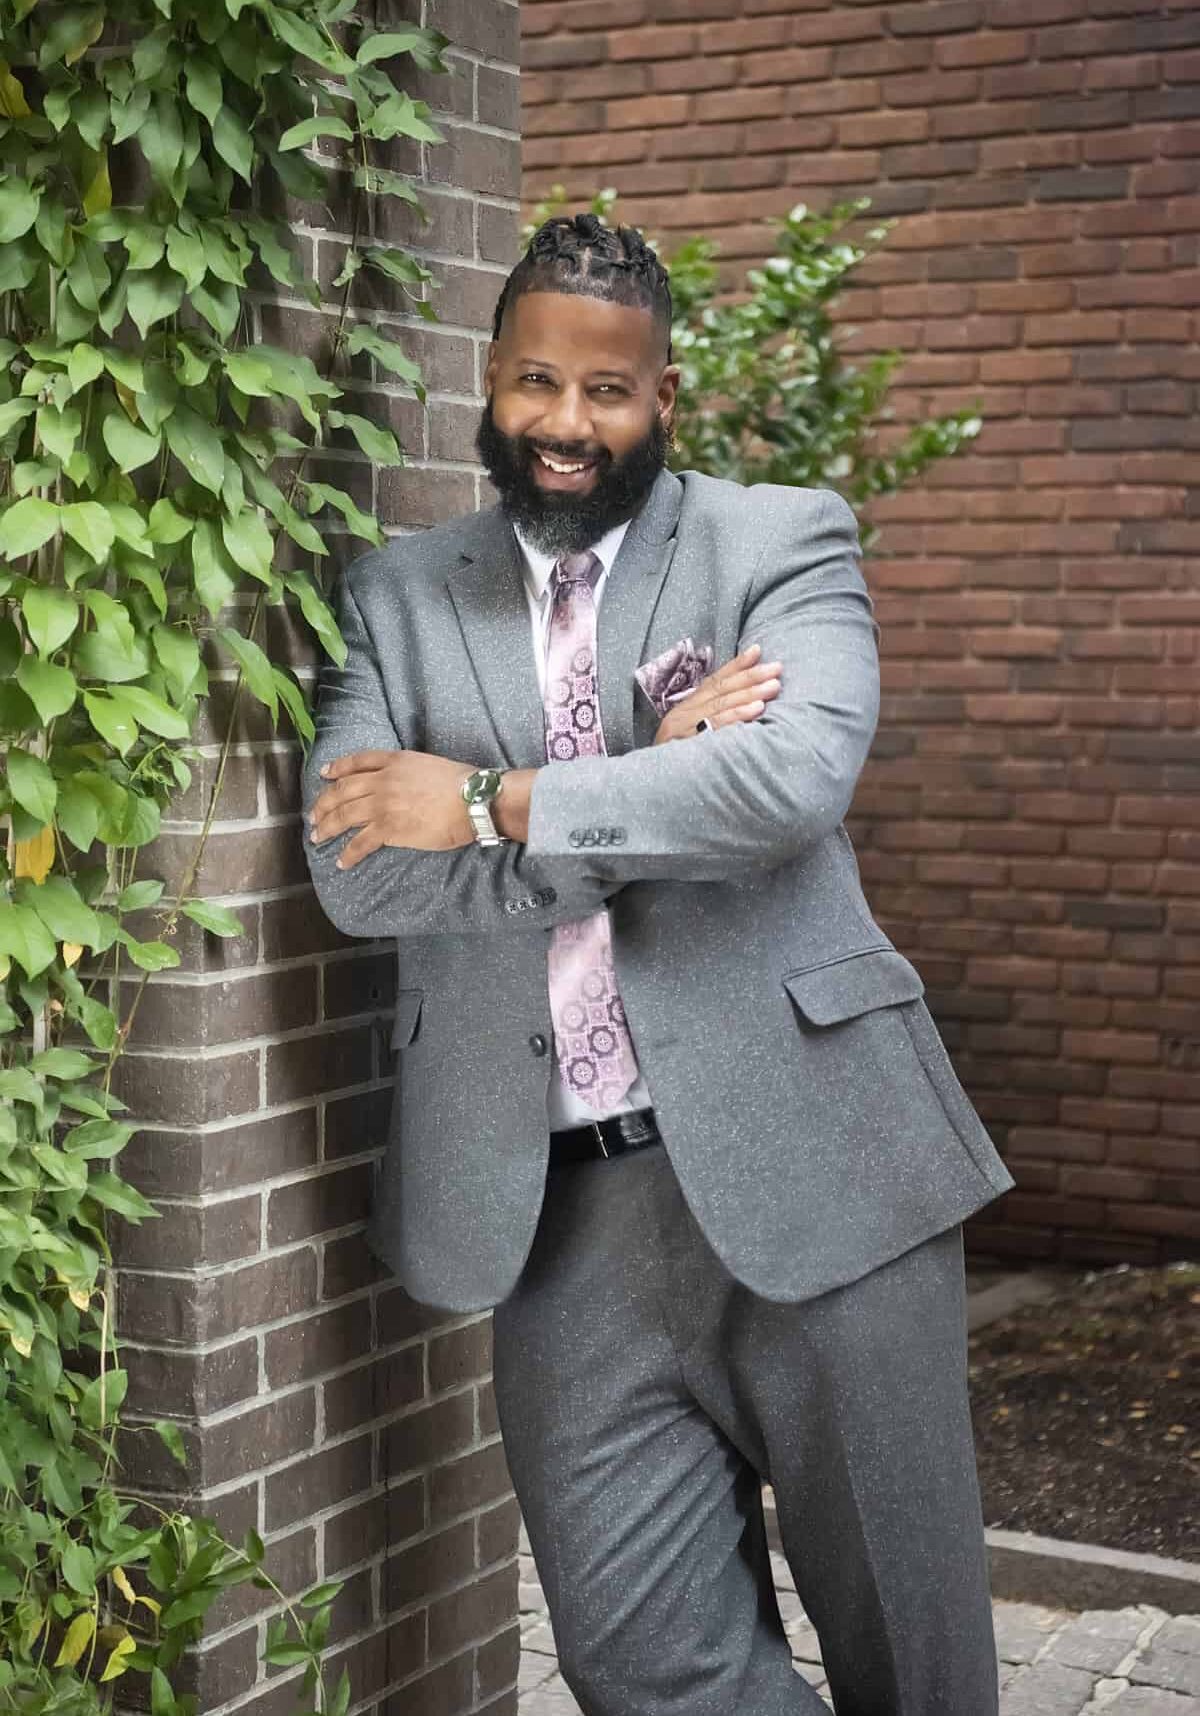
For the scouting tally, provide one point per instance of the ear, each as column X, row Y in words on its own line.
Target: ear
column 668, row 391
column 489, row 369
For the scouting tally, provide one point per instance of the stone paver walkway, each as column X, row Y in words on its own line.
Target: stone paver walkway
column 1120, row 1662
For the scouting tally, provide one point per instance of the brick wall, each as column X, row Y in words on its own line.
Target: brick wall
column 353, row 1430
column 1029, row 827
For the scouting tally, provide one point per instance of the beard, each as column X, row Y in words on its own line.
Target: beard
column 558, row 523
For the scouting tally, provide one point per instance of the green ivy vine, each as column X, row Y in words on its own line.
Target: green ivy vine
column 152, row 470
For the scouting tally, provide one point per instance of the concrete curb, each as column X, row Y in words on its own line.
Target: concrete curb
column 991, row 1299
column 1060, row 1575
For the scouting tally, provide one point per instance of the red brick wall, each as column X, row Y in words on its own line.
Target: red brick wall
column 1029, row 827
column 318, row 1405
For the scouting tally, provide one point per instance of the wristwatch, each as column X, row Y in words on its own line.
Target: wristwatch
column 478, row 791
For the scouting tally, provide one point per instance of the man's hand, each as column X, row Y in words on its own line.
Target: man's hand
column 393, row 798
column 739, row 691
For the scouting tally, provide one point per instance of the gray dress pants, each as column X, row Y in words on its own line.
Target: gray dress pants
column 644, row 1395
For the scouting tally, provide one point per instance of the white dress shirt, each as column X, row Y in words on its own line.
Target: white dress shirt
column 565, row 1108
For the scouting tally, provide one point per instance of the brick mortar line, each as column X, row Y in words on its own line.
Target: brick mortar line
column 276, row 1111
column 231, row 1414
column 212, row 1492
column 204, row 1349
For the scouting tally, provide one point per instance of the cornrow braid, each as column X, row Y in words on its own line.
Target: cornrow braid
column 579, row 254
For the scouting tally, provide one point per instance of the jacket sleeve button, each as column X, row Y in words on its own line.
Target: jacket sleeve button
column 538, row 1043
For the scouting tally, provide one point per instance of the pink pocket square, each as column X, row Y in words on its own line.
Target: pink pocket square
column 669, row 676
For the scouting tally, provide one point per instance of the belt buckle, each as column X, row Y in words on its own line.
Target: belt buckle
column 598, row 1130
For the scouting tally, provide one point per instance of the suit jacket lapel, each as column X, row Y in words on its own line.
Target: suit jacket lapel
column 631, row 593
column 488, row 592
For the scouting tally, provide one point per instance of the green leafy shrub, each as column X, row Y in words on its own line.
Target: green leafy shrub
column 152, row 469
column 768, row 392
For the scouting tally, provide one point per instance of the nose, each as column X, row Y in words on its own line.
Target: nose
column 567, row 418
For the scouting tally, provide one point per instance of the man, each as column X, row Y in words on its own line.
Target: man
column 667, row 1097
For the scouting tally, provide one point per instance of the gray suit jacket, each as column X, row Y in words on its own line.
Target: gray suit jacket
column 804, row 1097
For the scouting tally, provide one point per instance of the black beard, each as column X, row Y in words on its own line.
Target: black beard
column 561, row 524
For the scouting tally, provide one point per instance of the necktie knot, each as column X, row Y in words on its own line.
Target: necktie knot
column 582, row 568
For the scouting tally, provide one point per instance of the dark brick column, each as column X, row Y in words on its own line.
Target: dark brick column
column 353, row 1430
column 1028, row 826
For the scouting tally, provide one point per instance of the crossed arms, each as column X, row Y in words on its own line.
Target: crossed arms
column 751, row 795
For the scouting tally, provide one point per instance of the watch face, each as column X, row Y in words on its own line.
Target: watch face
column 481, row 786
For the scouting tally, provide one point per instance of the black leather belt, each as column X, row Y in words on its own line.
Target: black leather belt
column 619, row 1135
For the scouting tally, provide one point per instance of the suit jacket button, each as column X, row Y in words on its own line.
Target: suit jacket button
column 538, row 1043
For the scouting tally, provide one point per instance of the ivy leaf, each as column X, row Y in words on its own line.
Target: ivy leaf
column 151, row 711
column 185, row 253
column 111, row 721
column 65, row 913
column 153, row 295
column 50, row 617
column 96, row 1139
column 13, row 104
column 129, row 114
column 78, row 814
column 18, row 208
column 198, row 447
column 250, row 543
column 425, row 47
column 255, row 666
column 76, row 1640
column 125, row 368
column 83, row 366
column 219, row 303
column 117, row 1194
column 378, row 444
column 204, row 86
column 12, row 412
column 88, row 523
column 160, row 137
column 318, row 614
column 89, row 275
column 97, row 194
column 218, row 920
column 361, row 523
column 89, row 113
column 397, row 265
column 144, row 247
column 99, row 1023
column 233, row 143
column 178, row 654
column 149, row 955
column 382, row 182
column 400, row 116
column 71, row 34
column 31, row 784
column 58, row 430
column 305, row 38
column 138, row 896
column 129, row 446
column 308, row 130
column 292, row 698
column 111, row 659
column 212, row 569
column 50, row 689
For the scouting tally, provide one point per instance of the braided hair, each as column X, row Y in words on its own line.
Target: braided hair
column 579, row 254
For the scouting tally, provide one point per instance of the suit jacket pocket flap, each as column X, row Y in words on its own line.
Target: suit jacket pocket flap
column 830, row 993
column 408, row 1014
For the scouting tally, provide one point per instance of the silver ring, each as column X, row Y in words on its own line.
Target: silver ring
column 704, row 725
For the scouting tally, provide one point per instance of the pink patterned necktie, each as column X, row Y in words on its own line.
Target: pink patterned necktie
column 596, row 1059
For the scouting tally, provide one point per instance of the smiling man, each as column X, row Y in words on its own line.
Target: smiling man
column 666, row 1096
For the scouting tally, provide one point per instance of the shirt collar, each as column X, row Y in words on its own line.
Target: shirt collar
column 539, row 565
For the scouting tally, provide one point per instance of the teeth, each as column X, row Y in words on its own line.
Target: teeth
column 561, row 469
